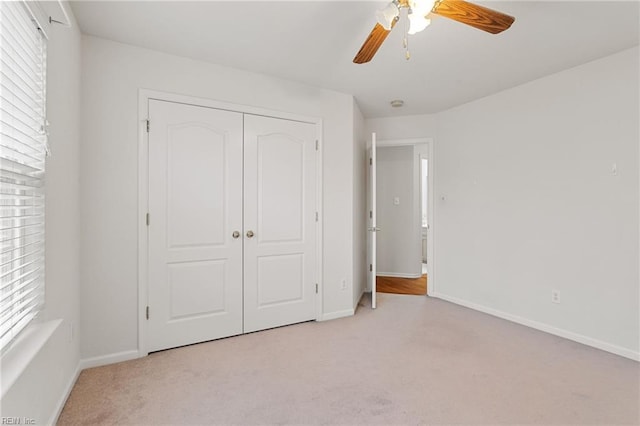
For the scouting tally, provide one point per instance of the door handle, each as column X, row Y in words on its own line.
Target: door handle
column 235, row 234
column 249, row 234
column 373, row 229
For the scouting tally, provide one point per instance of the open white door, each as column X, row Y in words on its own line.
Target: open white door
column 373, row 224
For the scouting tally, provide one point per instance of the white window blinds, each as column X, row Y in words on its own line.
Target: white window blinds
column 22, row 163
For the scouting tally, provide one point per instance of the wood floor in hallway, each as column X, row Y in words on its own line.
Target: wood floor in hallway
column 397, row 285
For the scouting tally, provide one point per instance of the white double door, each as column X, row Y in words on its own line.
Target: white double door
column 232, row 229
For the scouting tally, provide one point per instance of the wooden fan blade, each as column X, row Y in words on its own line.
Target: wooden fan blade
column 477, row 16
column 372, row 44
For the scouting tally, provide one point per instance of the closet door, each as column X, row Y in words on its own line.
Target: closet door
column 279, row 222
column 195, row 206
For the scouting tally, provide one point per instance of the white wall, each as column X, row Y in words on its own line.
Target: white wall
column 359, row 205
column 112, row 75
column 398, row 250
column 404, row 127
column 39, row 392
column 531, row 203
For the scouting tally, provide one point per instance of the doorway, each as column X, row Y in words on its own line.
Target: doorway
column 404, row 256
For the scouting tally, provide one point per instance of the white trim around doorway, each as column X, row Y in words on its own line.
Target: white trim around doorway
column 431, row 270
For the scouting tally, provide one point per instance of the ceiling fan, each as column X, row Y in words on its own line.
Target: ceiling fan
column 419, row 13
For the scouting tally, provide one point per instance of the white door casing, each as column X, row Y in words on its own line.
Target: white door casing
column 195, row 205
column 430, row 142
column 372, row 221
column 280, row 220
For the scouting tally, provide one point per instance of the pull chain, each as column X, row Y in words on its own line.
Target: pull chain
column 405, row 40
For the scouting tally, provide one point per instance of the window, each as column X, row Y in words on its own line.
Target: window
column 23, row 147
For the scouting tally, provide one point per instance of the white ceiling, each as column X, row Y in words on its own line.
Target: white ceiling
column 314, row 42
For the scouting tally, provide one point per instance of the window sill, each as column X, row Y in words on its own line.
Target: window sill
column 23, row 350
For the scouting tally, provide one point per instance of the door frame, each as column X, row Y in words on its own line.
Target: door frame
column 431, row 287
column 144, row 96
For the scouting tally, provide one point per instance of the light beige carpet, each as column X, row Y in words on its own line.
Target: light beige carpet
column 414, row 360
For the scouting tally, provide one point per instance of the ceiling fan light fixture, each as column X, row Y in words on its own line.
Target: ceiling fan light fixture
column 422, row 7
column 417, row 22
column 388, row 14
column 397, row 103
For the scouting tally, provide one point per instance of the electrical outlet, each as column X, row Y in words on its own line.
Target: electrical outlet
column 343, row 284
column 555, row 296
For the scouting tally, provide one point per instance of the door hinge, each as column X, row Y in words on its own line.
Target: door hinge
column 316, row 288
column 370, row 267
column 147, row 219
column 147, row 312
column 370, row 214
column 316, row 216
column 370, row 159
column 148, row 126
column 317, row 144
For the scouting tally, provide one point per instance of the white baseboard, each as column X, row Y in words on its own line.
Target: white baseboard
column 108, row 359
column 585, row 340
column 63, row 398
column 397, row 275
column 337, row 314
